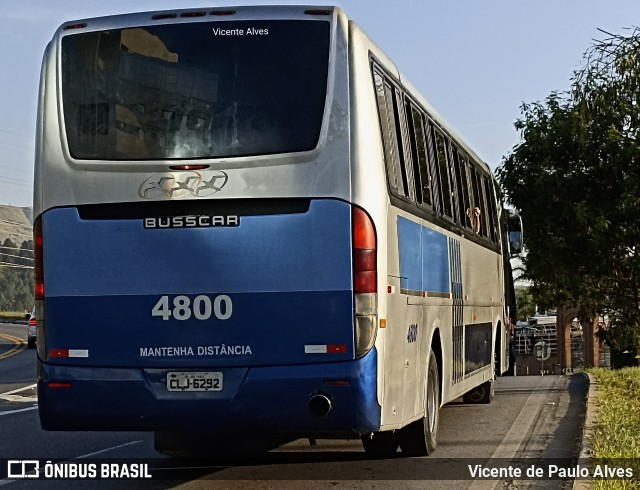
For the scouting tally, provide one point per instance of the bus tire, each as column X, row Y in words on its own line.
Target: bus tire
column 193, row 445
column 480, row 394
column 420, row 437
column 380, row 444
column 173, row 444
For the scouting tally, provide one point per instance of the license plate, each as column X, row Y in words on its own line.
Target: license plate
column 194, row 381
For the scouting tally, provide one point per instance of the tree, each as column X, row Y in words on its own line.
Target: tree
column 575, row 179
column 526, row 304
column 7, row 251
column 16, row 276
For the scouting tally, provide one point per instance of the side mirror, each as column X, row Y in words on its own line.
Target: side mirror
column 514, row 232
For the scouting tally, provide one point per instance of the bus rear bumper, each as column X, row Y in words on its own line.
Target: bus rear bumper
column 271, row 400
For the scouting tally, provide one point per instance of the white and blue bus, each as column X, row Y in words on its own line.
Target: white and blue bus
column 250, row 223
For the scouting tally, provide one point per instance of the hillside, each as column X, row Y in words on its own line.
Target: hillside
column 15, row 223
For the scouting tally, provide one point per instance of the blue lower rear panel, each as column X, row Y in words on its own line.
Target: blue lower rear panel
column 268, row 303
column 270, row 400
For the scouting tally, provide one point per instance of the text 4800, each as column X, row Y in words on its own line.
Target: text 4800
column 202, row 307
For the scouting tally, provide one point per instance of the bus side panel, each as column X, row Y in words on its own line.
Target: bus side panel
column 424, row 262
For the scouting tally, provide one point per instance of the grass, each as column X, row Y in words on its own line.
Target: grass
column 617, row 430
column 13, row 315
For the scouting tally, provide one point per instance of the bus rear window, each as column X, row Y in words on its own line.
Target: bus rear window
column 195, row 90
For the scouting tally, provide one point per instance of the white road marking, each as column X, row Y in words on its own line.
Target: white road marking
column 11, row 396
column 19, row 390
column 510, row 445
column 9, row 412
column 19, row 399
column 90, row 455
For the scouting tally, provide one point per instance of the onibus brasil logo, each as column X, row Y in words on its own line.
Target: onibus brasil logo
column 33, row 468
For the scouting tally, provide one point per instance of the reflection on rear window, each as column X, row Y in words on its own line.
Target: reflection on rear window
column 195, row 90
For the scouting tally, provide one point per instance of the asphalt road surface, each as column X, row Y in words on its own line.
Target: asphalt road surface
column 534, row 421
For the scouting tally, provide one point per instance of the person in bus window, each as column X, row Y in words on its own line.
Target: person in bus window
column 473, row 214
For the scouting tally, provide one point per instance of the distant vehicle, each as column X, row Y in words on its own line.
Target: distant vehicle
column 542, row 321
column 31, row 332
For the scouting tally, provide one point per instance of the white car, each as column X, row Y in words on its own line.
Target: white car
column 31, row 332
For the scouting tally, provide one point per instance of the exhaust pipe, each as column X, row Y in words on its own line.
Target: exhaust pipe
column 320, row 405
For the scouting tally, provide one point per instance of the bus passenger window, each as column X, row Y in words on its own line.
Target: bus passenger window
column 483, row 206
column 461, row 181
column 404, row 165
column 445, row 187
column 492, row 215
column 419, row 153
column 387, row 111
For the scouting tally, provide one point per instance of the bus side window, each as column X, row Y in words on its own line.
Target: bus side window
column 433, row 166
column 387, row 111
column 418, row 143
column 461, row 189
column 475, row 208
column 492, row 215
column 465, row 189
column 406, row 156
column 453, row 181
column 443, row 174
column 485, row 216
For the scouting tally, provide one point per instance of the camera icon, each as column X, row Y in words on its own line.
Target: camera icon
column 23, row 468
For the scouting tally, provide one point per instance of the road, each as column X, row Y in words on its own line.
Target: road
column 532, row 421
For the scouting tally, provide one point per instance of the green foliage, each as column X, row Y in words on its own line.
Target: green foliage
column 16, row 276
column 575, row 179
column 526, row 304
column 12, row 316
column 617, row 430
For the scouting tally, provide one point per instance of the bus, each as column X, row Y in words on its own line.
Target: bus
column 250, row 224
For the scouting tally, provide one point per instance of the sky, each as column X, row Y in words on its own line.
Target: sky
column 476, row 61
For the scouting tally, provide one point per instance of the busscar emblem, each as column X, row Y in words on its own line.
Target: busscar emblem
column 191, row 221
column 178, row 185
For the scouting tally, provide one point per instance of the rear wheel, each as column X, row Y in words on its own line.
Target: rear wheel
column 175, row 444
column 420, row 437
column 480, row 394
column 380, row 444
column 212, row 444
column 196, row 445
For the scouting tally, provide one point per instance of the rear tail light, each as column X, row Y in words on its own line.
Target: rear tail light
column 364, row 253
column 38, row 268
column 164, row 16
column 365, row 281
column 193, row 14
column 38, row 273
column 74, row 26
column 318, row 12
column 189, row 167
column 59, row 385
